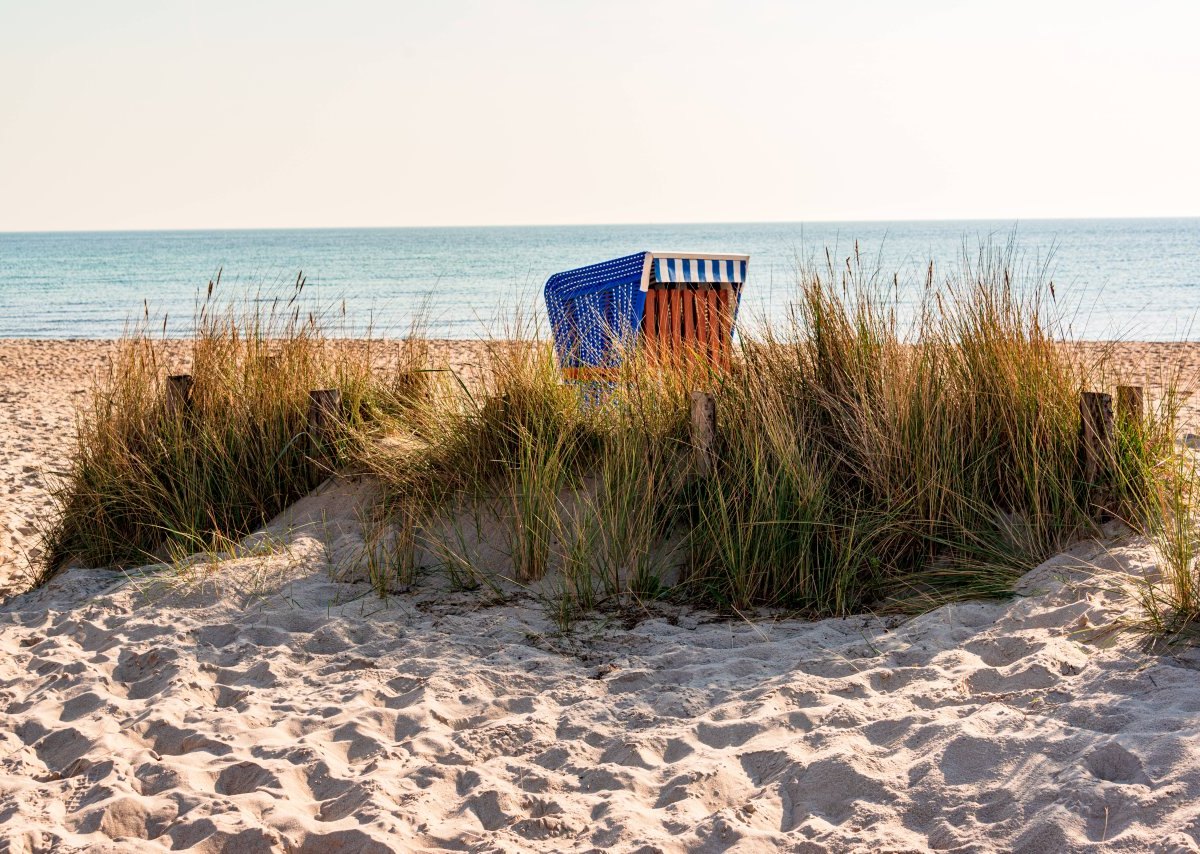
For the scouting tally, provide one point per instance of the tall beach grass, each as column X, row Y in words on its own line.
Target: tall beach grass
column 148, row 479
column 873, row 453
column 868, row 458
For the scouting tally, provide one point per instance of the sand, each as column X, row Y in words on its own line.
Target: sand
column 250, row 703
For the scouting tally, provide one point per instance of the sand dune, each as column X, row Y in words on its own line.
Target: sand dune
column 250, row 703
column 243, row 709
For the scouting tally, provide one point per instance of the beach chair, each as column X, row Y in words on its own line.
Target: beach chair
column 679, row 306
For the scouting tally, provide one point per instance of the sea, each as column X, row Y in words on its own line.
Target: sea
column 1133, row 279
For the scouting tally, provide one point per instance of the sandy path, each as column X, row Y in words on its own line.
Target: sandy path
column 244, row 710
column 251, row 704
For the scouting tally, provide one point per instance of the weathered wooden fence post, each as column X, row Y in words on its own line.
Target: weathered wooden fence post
column 412, row 386
column 1097, row 438
column 1131, row 405
column 179, row 394
column 324, row 414
column 704, row 431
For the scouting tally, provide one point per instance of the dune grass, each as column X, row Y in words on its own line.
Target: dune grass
column 1170, row 598
column 866, row 461
column 872, row 455
column 148, row 480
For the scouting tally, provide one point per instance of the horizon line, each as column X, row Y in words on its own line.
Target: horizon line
column 1007, row 219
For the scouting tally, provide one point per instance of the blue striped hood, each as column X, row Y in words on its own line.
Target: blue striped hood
column 699, row 270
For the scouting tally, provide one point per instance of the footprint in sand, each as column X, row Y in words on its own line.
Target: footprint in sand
column 244, row 777
column 1114, row 764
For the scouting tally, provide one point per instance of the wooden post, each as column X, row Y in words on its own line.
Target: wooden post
column 179, row 394
column 324, row 413
column 1130, row 405
column 704, row 431
column 1096, row 440
column 410, row 385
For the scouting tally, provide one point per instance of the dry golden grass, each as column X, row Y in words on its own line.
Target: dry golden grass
column 865, row 462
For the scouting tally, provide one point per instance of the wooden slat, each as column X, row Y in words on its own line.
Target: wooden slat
column 650, row 325
column 702, row 324
column 730, row 307
column 688, row 303
column 655, row 341
column 664, row 324
column 722, row 359
column 714, row 329
column 677, row 323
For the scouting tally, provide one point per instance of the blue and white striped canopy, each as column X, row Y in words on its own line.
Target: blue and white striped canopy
column 698, row 270
column 594, row 309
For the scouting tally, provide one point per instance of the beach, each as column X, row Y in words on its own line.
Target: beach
column 247, row 701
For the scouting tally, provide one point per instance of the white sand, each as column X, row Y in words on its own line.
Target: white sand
column 255, row 705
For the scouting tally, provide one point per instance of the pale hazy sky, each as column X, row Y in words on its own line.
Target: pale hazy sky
column 160, row 114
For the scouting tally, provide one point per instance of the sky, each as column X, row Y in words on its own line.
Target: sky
column 162, row 115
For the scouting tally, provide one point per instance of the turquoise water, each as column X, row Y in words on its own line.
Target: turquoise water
column 1122, row 278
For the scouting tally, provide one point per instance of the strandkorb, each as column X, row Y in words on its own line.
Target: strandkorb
column 680, row 305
